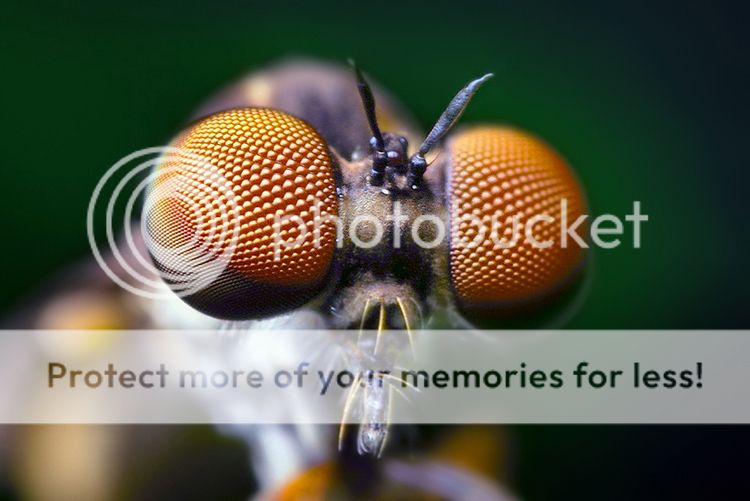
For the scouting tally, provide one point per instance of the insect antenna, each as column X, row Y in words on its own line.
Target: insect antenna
column 377, row 142
column 417, row 163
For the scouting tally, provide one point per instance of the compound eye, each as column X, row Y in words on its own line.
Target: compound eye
column 497, row 175
column 239, row 214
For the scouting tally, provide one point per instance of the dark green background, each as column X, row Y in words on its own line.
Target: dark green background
column 648, row 102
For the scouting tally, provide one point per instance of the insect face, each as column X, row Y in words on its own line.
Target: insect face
column 311, row 225
column 267, row 213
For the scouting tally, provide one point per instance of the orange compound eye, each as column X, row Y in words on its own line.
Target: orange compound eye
column 497, row 175
column 239, row 214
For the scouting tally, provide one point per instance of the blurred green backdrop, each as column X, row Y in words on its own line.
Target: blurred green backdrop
column 648, row 102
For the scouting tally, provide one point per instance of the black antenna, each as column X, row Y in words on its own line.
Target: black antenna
column 377, row 142
column 417, row 163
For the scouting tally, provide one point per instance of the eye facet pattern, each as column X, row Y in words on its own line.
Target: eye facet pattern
column 241, row 182
column 505, row 173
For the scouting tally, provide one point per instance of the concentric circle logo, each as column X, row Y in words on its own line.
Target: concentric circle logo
column 139, row 184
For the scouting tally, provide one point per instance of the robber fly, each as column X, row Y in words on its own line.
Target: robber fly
column 313, row 155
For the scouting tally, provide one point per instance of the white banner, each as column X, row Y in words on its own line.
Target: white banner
column 392, row 376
